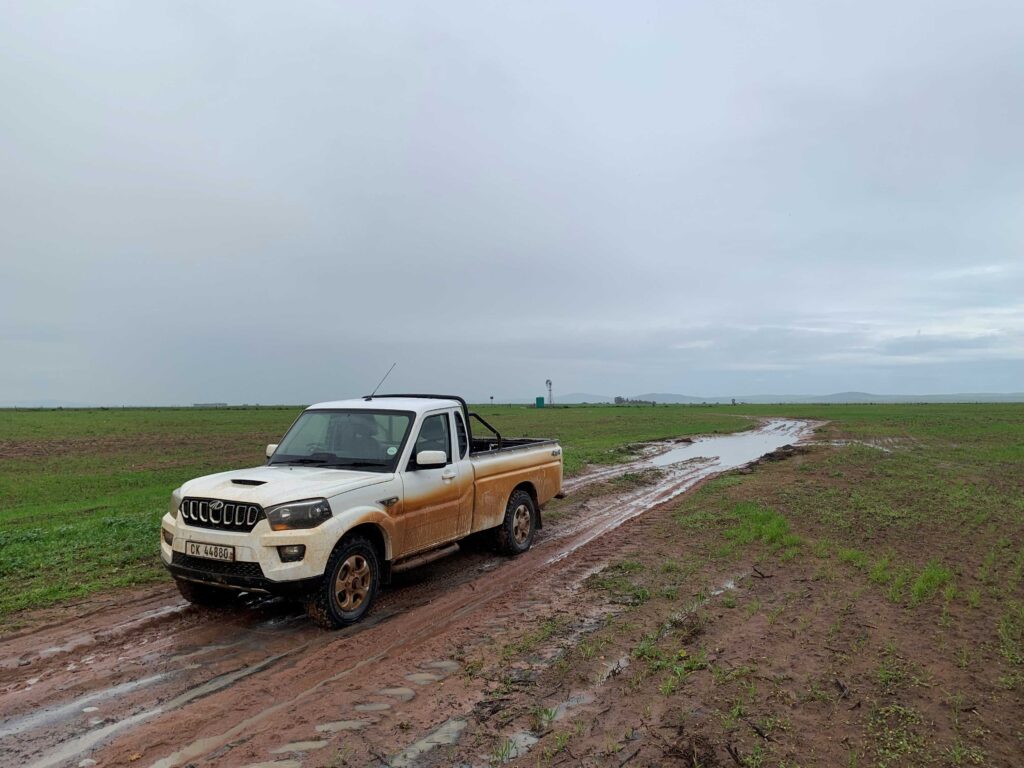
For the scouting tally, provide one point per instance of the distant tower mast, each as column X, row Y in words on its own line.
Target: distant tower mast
column 551, row 397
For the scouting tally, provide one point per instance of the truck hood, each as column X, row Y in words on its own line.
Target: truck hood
column 269, row 485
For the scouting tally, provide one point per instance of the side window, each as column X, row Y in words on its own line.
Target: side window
column 460, row 433
column 434, row 436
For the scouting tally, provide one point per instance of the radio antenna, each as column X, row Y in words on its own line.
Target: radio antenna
column 370, row 396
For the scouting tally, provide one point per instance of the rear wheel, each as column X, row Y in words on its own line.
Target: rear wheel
column 349, row 585
column 515, row 534
column 204, row 594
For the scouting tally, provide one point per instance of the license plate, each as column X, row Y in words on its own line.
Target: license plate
column 209, row 551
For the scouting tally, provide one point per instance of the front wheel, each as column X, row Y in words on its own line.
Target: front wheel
column 349, row 585
column 515, row 534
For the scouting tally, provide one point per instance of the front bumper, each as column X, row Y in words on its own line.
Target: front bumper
column 238, row 575
column 257, row 566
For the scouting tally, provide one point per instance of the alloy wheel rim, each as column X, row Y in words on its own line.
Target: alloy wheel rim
column 522, row 522
column 352, row 584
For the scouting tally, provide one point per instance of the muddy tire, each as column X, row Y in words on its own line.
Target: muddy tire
column 349, row 586
column 515, row 534
column 204, row 594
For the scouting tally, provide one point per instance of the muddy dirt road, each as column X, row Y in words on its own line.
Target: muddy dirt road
column 142, row 678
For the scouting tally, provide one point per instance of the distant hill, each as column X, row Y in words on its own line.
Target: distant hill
column 664, row 397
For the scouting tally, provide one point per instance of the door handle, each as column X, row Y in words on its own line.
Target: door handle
column 448, row 474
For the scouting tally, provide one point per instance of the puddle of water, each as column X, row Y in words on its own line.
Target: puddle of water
column 684, row 467
column 75, row 747
column 73, row 644
column 342, row 725
column 518, row 744
column 731, row 451
column 423, row 678
column 401, row 693
column 204, row 650
column 73, row 708
column 373, row 706
column 448, row 733
column 687, row 450
column 577, row 700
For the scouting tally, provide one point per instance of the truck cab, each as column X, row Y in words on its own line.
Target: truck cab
column 355, row 489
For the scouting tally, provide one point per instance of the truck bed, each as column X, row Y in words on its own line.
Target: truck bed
column 492, row 445
column 534, row 463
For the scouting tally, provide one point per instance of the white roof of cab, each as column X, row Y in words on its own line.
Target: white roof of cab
column 415, row 404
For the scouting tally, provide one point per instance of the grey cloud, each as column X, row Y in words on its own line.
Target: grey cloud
column 710, row 197
column 923, row 345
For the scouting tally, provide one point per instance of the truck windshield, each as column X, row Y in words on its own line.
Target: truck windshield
column 346, row 439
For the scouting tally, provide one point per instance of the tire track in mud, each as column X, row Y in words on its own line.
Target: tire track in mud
column 171, row 656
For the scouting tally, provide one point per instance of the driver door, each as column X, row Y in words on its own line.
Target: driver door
column 430, row 507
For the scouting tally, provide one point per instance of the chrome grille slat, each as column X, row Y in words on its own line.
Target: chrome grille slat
column 220, row 515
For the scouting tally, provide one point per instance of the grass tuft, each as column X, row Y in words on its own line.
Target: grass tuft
column 928, row 583
column 758, row 524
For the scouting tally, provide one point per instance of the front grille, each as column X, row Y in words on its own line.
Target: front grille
column 217, row 566
column 221, row 515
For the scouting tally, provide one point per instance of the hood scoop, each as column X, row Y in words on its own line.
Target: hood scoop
column 248, row 482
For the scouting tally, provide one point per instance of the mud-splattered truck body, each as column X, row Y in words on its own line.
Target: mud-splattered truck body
column 355, row 489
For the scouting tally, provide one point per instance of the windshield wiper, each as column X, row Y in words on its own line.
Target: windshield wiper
column 358, row 464
column 305, row 460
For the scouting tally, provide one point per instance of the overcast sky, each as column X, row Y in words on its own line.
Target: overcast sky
column 272, row 202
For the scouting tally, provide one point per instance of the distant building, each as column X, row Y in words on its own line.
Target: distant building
column 209, row 405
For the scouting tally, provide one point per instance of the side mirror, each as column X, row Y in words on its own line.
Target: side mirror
column 431, row 459
column 271, row 447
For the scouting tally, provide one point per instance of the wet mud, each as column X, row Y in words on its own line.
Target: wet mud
column 141, row 677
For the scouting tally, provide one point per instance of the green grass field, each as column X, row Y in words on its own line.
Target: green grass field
column 82, row 491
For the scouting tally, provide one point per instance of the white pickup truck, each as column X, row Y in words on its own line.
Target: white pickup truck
column 354, row 489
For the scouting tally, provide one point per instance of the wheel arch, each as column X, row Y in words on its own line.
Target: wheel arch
column 375, row 534
column 531, row 489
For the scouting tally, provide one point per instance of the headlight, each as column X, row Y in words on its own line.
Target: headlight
column 172, row 509
column 298, row 514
